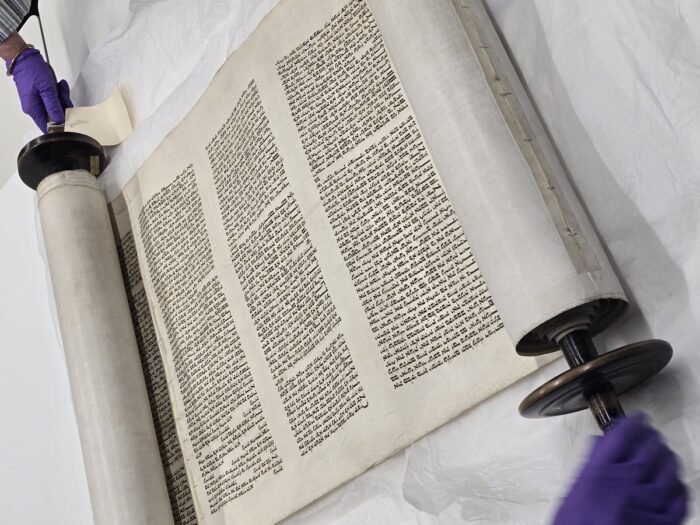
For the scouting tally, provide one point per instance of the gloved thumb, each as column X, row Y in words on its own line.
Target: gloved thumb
column 38, row 115
column 64, row 94
column 49, row 96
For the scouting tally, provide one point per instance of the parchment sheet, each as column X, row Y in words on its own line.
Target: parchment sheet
column 107, row 122
column 616, row 87
column 538, row 250
column 396, row 408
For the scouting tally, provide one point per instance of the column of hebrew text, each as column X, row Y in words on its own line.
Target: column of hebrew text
column 161, row 408
column 229, row 434
column 409, row 258
column 284, row 289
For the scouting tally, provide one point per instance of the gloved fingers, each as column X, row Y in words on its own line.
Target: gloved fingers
column 662, row 467
column 53, row 73
column 40, row 118
column 673, row 514
column 658, row 497
column 679, row 506
column 647, row 456
column 33, row 106
column 49, row 96
column 639, row 517
column 653, row 456
column 614, row 447
column 64, row 94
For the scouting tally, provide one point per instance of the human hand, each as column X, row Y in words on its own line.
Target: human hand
column 631, row 477
column 42, row 98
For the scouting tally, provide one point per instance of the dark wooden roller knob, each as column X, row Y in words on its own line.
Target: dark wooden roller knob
column 56, row 152
column 594, row 381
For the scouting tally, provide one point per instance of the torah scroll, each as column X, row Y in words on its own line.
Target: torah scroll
column 336, row 252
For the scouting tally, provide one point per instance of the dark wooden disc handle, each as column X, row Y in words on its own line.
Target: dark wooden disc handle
column 594, row 380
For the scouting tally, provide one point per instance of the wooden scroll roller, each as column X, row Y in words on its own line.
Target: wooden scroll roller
column 56, row 152
column 594, row 380
column 107, row 383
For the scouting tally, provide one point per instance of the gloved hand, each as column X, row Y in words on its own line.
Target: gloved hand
column 631, row 477
column 41, row 97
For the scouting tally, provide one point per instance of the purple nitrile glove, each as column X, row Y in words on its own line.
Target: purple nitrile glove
column 41, row 97
column 630, row 478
